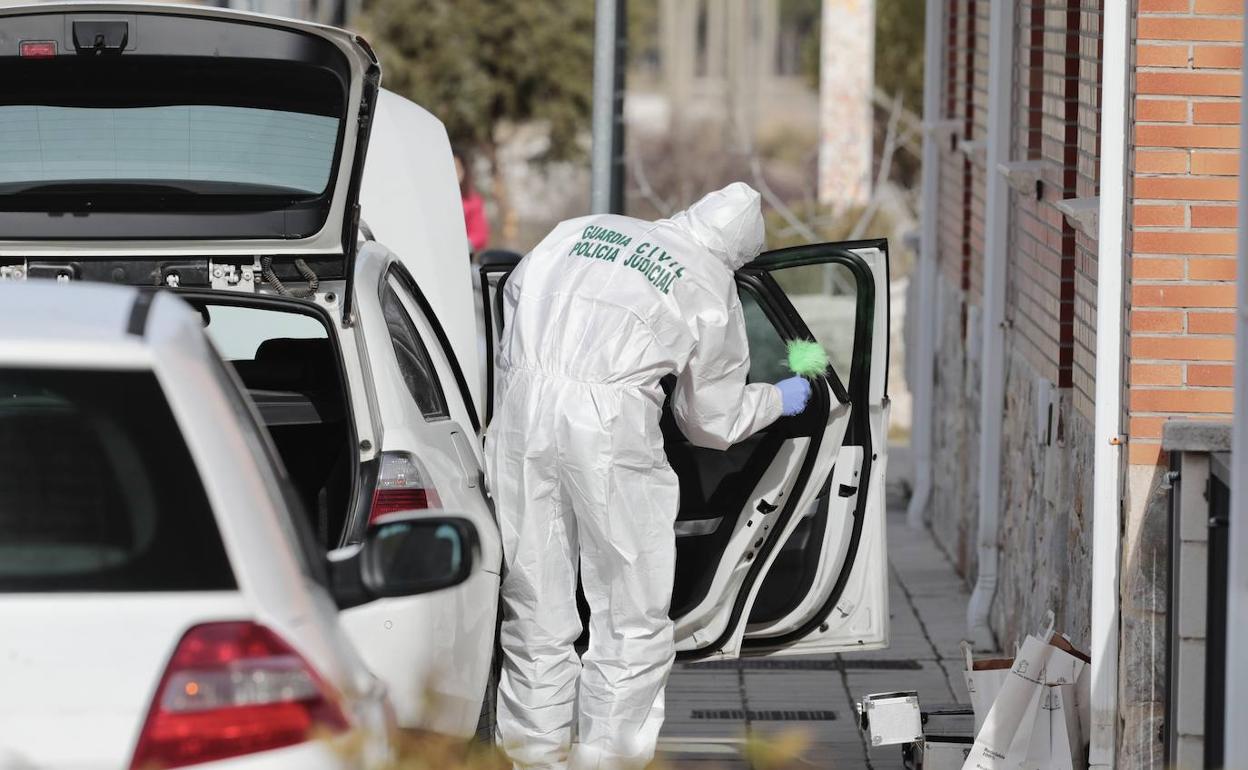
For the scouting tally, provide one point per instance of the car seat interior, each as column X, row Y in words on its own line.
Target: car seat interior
column 297, row 386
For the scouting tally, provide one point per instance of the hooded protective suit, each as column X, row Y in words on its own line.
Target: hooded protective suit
column 596, row 314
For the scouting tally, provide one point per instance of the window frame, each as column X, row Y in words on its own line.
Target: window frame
column 393, row 288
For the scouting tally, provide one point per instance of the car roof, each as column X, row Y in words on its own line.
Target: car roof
column 44, row 322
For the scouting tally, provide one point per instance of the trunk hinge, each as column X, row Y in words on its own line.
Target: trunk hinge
column 234, row 276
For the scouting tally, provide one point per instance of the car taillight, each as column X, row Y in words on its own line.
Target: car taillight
column 402, row 485
column 234, row 688
column 37, row 49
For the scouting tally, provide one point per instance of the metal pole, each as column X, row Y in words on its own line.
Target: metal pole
column 1236, row 712
column 1107, row 455
column 606, row 186
column 924, row 359
column 992, row 347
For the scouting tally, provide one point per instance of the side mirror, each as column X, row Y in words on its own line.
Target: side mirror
column 404, row 554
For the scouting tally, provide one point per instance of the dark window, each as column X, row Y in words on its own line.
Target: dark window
column 98, row 491
column 414, row 363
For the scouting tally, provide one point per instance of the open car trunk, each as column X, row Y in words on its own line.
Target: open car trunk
column 287, row 359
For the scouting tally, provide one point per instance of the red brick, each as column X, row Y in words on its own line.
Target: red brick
column 1183, row 296
column 1153, row 242
column 1145, row 453
column 1163, row 188
column 1158, row 216
column 1156, row 374
column 1214, row 216
column 1153, row 269
column 1172, row 28
column 1156, row 321
column 1216, row 163
column 1163, row 55
column 1165, row 6
column 1182, row 401
column 1182, row 348
column 1224, row 113
column 1211, row 269
column 1213, row 376
column 1187, row 136
column 1229, row 57
column 1220, row 6
column 1160, row 162
column 1146, row 427
column 1161, row 110
column 1211, row 323
column 1187, row 83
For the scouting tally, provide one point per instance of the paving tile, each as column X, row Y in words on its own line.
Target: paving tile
column 927, row 604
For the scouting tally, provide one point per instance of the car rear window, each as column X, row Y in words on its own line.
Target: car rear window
column 117, row 141
column 98, row 491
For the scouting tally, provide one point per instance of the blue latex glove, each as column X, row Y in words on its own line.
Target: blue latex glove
column 794, row 393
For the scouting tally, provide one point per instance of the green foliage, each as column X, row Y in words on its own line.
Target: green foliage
column 899, row 50
column 805, row 17
column 478, row 64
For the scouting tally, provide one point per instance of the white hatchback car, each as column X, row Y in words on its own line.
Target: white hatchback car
column 162, row 600
column 254, row 166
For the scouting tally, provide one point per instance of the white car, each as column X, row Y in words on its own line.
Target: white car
column 162, row 602
column 254, row 166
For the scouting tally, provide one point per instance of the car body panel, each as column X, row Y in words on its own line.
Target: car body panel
column 433, row 651
column 410, row 202
column 97, row 657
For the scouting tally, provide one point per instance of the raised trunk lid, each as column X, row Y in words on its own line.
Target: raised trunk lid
column 133, row 131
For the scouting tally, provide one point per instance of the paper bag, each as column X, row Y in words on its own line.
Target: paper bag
column 1056, row 743
column 983, row 681
column 1007, row 720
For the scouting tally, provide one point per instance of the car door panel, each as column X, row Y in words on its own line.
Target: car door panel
column 795, row 487
column 844, row 600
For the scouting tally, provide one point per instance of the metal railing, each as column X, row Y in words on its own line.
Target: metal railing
column 1200, row 489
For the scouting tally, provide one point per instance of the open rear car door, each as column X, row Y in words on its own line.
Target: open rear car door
column 781, row 538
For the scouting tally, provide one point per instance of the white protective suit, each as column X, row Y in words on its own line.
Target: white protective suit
column 596, row 314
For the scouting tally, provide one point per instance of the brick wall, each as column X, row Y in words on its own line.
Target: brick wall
column 960, row 260
column 1052, row 306
column 1181, row 296
column 1188, row 55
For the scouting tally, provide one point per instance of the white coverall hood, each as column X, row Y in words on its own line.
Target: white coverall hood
column 728, row 222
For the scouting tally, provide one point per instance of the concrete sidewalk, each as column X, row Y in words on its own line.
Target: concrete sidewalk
column 711, row 708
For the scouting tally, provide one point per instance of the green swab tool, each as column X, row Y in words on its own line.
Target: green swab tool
column 807, row 358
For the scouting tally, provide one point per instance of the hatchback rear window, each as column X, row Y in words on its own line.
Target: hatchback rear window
column 116, row 141
column 98, row 491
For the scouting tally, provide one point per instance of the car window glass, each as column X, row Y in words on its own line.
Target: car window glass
column 238, row 332
column 826, row 297
column 767, row 348
column 98, row 491
column 197, row 147
column 415, row 365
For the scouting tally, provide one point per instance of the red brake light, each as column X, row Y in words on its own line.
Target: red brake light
column 402, row 485
column 37, row 49
column 230, row 689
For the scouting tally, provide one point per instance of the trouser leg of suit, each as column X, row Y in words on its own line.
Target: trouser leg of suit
column 540, row 668
column 625, row 515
